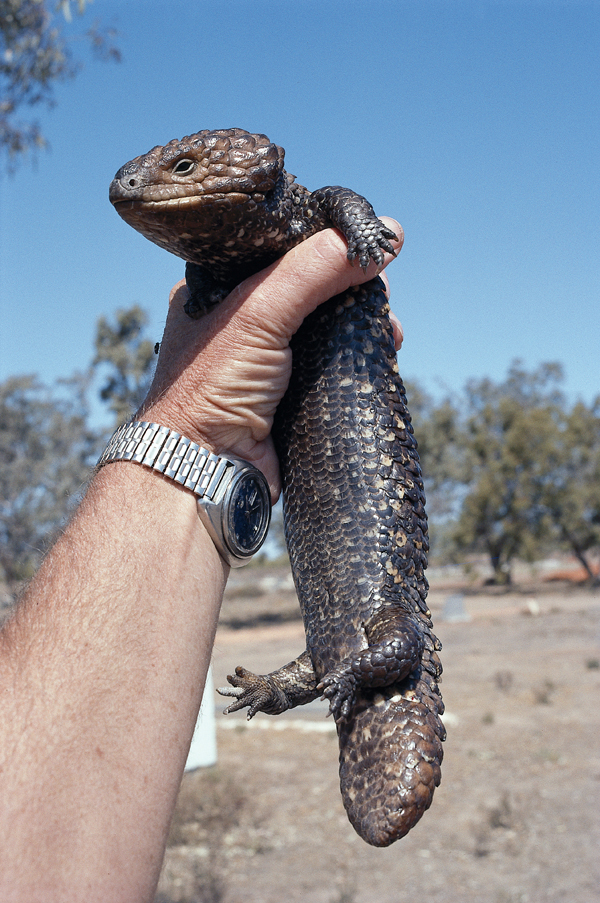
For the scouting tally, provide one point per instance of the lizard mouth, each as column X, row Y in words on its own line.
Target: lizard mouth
column 175, row 203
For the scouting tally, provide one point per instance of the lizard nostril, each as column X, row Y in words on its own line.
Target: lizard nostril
column 132, row 183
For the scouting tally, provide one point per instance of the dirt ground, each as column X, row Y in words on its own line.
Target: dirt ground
column 515, row 820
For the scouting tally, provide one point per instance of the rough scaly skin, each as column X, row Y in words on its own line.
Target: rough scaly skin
column 353, row 495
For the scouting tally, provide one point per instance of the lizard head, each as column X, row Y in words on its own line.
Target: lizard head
column 195, row 184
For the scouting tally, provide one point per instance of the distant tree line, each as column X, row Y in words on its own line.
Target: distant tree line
column 48, row 444
column 512, row 469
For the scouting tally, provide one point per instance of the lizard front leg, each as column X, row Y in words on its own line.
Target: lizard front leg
column 274, row 693
column 352, row 214
column 205, row 292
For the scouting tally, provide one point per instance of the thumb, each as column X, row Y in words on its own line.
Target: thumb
column 280, row 297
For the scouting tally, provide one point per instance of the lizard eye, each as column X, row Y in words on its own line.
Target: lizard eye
column 184, row 167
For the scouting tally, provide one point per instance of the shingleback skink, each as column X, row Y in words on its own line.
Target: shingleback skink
column 354, row 513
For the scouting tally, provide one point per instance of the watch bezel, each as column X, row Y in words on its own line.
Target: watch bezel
column 228, row 512
column 216, row 514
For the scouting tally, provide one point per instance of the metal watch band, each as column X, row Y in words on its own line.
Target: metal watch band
column 171, row 454
column 213, row 479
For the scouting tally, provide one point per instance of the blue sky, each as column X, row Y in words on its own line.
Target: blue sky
column 475, row 124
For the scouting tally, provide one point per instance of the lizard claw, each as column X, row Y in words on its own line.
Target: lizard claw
column 247, row 689
column 255, row 691
column 339, row 688
column 370, row 244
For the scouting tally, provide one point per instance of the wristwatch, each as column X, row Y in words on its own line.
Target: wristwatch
column 233, row 497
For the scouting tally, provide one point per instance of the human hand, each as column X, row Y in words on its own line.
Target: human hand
column 219, row 379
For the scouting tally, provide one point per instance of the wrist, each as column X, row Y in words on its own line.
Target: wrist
column 168, row 509
column 232, row 495
column 178, row 420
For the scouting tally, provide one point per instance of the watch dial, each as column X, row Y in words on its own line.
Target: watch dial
column 249, row 514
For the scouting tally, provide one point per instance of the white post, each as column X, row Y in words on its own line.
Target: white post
column 203, row 751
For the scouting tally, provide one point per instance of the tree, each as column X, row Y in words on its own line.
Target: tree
column 573, row 492
column 34, row 56
column 129, row 357
column 437, row 430
column 46, row 448
column 511, row 455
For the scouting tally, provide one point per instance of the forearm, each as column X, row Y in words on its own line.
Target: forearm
column 104, row 664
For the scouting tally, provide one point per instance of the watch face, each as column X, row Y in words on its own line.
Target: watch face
column 249, row 514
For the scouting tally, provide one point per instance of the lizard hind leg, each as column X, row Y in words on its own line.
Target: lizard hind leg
column 274, row 693
column 394, row 652
column 391, row 740
column 257, row 692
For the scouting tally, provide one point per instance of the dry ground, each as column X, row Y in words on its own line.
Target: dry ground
column 516, row 819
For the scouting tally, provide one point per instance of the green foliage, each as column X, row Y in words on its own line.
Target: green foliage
column 573, row 493
column 128, row 356
column 437, row 428
column 34, row 56
column 509, row 440
column 531, row 470
column 46, row 448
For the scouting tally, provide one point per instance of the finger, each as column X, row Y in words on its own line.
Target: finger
column 284, row 294
column 279, row 298
column 398, row 331
column 397, row 229
column 179, row 292
column 396, row 324
column 386, row 284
